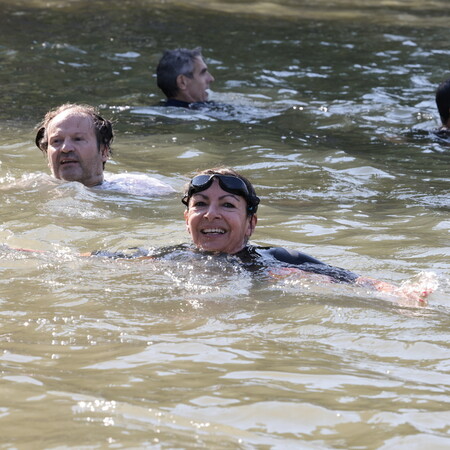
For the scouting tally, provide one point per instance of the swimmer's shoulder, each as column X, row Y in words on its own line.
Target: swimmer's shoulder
column 307, row 263
column 290, row 256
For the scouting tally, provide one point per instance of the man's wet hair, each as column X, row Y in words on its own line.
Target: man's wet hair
column 173, row 63
column 443, row 101
column 103, row 128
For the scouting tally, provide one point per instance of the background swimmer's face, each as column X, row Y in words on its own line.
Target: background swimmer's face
column 195, row 89
column 218, row 221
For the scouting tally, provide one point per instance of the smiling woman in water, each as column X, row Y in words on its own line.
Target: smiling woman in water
column 220, row 216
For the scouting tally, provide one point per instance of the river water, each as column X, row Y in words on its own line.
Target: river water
column 330, row 113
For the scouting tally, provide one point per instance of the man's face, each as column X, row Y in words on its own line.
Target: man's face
column 72, row 152
column 195, row 87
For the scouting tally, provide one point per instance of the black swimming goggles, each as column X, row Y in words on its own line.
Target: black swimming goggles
column 229, row 183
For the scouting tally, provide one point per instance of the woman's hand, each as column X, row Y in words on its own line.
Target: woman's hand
column 414, row 291
column 409, row 291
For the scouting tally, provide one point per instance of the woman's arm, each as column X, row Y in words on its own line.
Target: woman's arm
column 413, row 292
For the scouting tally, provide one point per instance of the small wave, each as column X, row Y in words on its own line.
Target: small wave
column 136, row 184
column 227, row 107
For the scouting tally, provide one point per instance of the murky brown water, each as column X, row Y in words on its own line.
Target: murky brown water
column 332, row 104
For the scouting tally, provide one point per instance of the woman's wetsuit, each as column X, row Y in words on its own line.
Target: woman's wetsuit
column 292, row 258
column 251, row 257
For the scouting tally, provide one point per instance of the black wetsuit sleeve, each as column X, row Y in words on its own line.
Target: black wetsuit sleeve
column 310, row 264
column 292, row 256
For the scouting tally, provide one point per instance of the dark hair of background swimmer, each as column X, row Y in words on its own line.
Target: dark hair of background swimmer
column 103, row 128
column 443, row 101
column 176, row 62
column 252, row 200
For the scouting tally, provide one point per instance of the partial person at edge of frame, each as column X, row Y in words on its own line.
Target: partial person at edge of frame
column 76, row 141
column 183, row 77
column 443, row 106
column 220, row 216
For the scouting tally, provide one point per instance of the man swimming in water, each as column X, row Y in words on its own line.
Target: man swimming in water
column 76, row 141
column 184, row 78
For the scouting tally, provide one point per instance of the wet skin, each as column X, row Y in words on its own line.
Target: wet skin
column 217, row 220
column 195, row 89
column 73, row 153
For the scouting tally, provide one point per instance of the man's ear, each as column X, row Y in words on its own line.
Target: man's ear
column 181, row 82
column 104, row 149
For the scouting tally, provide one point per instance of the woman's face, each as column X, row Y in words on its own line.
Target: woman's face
column 217, row 220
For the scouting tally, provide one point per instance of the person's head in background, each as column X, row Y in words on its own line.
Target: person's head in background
column 443, row 102
column 182, row 75
column 77, row 143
